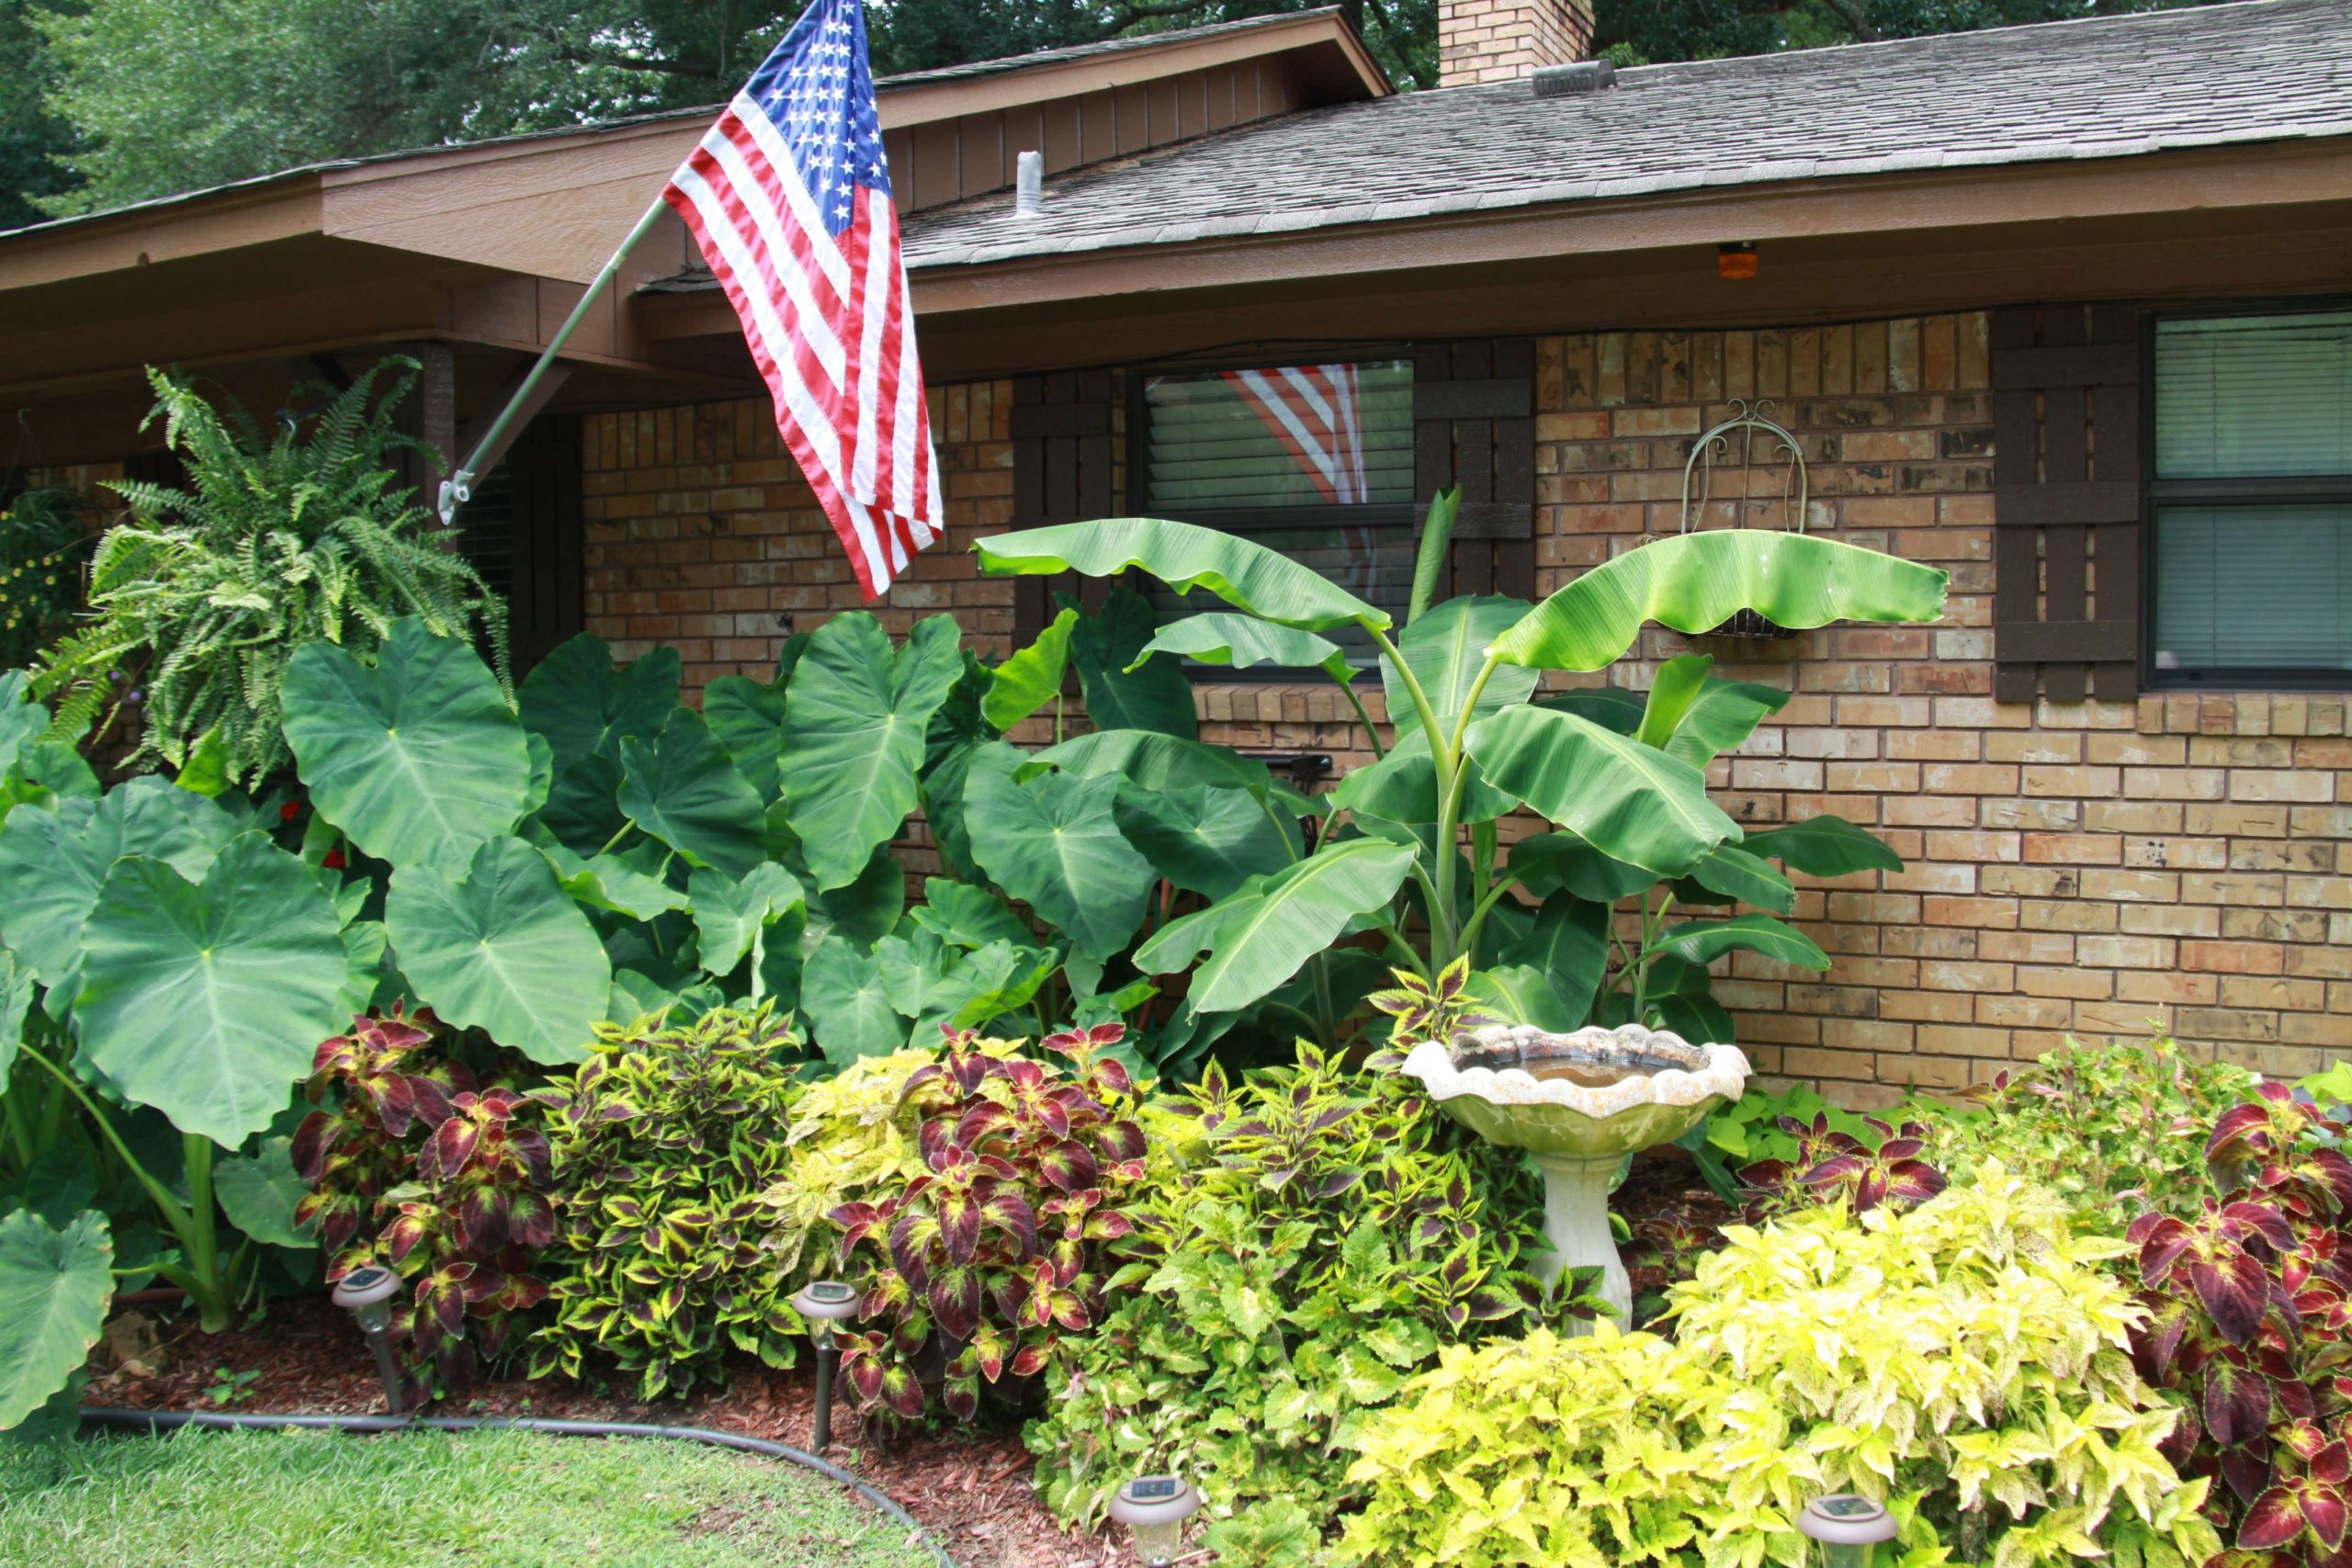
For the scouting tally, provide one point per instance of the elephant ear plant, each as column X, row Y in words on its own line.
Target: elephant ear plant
column 1617, row 777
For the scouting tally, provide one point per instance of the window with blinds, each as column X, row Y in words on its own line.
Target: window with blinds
column 2251, row 500
column 1313, row 460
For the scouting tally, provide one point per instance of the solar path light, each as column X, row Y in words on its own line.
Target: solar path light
column 825, row 1302
column 1154, row 1508
column 1847, row 1530
column 366, row 1294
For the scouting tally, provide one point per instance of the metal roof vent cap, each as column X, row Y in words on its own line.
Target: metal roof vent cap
column 1584, row 76
column 1029, row 185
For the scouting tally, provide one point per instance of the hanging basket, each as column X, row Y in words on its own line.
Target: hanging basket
column 1712, row 449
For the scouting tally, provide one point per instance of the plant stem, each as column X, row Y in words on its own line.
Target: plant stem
column 1442, row 943
column 1348, row 689
column 204, row 1240
column 627, row 828
column 199, row 1285
column 1477, row 919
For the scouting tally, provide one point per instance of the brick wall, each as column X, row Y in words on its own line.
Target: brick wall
column 2094, row 868
column 702, row 534
column 1503, row 40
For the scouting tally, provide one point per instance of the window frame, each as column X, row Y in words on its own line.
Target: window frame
column 1247, row 521
column 2269, row 490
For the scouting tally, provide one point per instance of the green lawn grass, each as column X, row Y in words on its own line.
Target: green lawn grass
column 296, row 1499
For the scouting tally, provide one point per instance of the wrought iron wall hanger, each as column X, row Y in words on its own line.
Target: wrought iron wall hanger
column 1714, row 449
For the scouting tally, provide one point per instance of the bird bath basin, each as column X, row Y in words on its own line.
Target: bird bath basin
column 1578, row 1104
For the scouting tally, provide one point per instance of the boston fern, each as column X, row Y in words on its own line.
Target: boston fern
column 287, row 537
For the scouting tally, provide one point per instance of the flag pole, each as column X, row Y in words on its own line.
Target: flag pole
column 457, row 489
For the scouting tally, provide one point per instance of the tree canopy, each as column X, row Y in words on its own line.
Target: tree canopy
column 106, row 102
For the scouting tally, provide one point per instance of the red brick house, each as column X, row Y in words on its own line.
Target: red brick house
column 2065, row 309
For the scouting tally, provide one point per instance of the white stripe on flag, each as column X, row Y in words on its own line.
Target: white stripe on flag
column 808, row 315
column 805, row 216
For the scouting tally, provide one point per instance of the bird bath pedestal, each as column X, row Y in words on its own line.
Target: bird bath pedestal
column 1578, row 1104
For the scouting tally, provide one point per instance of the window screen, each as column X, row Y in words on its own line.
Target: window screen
column 2252, row 498
column 1313, row 460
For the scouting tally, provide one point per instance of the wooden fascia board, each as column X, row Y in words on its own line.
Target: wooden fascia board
column 2265, row 175
column 920, row 103
column 231, row 219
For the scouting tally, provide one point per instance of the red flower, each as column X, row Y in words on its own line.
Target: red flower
column 290, row 811
column 334, row 861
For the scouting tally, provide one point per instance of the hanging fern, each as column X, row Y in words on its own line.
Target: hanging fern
column 286, row 537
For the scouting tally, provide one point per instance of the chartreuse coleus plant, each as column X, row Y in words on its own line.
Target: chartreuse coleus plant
column 1966, row 1362
column 1310, row 1239
column 848, row 1141
column 2250, row 1299
column 996, row 1251
column 420, row 1168
column 2113, row 1128
column 665, row 1139
column 1618, row 777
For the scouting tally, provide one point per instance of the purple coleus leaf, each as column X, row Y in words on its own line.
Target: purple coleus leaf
column 2237, row 1399
column 2234, row 1289
column 2280, row 1516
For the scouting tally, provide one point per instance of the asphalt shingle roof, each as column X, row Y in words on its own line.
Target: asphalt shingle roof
column 2265, row 70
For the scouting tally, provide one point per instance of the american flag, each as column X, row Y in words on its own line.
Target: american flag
column 789, row 196
column 1314, row 409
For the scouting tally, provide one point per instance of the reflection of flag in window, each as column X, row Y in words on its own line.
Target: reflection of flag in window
column 1314, row 411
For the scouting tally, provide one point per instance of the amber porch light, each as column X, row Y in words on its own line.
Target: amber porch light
column 1735, row 261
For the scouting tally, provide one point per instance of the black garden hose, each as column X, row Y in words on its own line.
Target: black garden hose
column 170, row 1420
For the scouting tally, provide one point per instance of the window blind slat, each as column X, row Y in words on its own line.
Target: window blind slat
column 2255, row 397
column 2253, row 587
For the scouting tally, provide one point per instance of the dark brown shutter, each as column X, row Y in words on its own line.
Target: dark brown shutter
column 2066, row 489
column 1474, row 425
column 1062, row 456
column 545, row 600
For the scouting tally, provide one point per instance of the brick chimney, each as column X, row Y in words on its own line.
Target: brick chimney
column 1503, row 40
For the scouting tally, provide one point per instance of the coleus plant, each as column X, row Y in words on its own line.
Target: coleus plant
column 422, row 1170
column 2249, row 1300
column 978, row 1265
column 1831, row 1164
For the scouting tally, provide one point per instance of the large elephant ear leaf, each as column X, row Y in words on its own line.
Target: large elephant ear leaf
column 856, row 720
column 260, row 1192
column 682, row 788
column 1694, row 582
column 54, row 1287
column 1124, row 685
column 1723, row 714
column 1445, row 648
column 730, row 916
column 1819, row 846
column 583, row 705
column 53, row 863
column 1522, row 993
column 207, row 1001
column 1151, row 761
column 1204, row 839
column 16, row 1003
column 413, row 758
column 748, row 720
column 1054, row 842
column 1243, row 642
column 1630, row 801
column 502, row 949
column 1185, row 556
column 1261, row 936
column 849, row 1009
column 1030, row 678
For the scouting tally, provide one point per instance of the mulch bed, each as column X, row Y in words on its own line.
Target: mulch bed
column 972, row 1491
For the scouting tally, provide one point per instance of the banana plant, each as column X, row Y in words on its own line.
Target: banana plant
column 1416, row 856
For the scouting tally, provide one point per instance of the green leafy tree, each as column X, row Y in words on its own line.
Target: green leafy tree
column 1646, row 32
column 35, row 137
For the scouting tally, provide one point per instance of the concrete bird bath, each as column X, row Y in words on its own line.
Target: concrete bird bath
column 1578, row 1104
